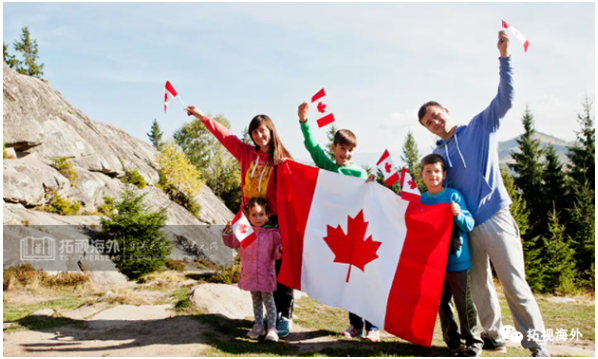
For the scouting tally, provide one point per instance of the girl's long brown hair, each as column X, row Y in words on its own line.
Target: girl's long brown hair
column 277, row 150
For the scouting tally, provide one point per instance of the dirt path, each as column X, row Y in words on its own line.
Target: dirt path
column 154, row 330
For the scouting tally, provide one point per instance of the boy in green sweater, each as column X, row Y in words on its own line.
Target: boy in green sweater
column 343, row 146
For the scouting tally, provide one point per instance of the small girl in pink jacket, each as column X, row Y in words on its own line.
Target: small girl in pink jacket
column 258, row 273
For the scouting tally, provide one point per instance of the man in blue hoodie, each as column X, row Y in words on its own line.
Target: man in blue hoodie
column 471, row 153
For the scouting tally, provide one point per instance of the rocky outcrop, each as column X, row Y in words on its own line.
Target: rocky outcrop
column 39, row 125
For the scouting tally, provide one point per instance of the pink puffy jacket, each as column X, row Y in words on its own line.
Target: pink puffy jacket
column 258, row 272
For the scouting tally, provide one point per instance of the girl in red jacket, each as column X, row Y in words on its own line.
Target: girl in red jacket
column 258, row 179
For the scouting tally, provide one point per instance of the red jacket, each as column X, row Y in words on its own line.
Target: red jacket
column 258, row 172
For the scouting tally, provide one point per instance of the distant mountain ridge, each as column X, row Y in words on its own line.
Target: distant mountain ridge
column 561, row 147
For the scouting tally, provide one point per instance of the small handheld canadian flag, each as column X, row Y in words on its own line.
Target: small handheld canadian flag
column 385, row 164
column 243, row 230
column 517, row 34
column 169, row 94
column 320, row 104
column 409, row 187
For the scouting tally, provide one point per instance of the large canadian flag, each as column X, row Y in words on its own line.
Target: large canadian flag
column 360, row 247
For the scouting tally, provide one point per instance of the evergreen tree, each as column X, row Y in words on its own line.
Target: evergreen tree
column 582, row 164
column 155, row 136
column 555, row 189
column 583, row 231
column 558, row 260
column 217, row 166
column 534, row 269
column 529, row 173
column 28, row 48
column 411, row 158
column 10, row 60
column 330, row 135
column 141, row 245
column 582, row 186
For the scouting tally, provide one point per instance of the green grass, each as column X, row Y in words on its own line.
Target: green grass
column 228, row 336
column 561, row 316
column 22, row 319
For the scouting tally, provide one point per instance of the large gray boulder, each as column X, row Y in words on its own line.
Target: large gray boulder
column 40, row 125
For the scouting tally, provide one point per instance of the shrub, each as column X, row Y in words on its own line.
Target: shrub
column 27, row 275
column 4, row 154
column 108, row 207
column 179, row 179
column 141, row 245
column 133, row 177
column 176, row 265
column 66, row 169
column 63, row 206
column 226, row 275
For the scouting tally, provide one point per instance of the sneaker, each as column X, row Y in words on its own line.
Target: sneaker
column 353, row 332
column 540, row 352
column 256, row 331
column 272, row 335
column 373, row 336
column 493, row 344
column 470, row 352
column 284, row 327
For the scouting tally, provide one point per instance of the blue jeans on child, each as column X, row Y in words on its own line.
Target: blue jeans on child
column 357, row 322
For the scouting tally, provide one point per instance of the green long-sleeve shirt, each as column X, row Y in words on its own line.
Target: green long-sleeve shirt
column 322, row 160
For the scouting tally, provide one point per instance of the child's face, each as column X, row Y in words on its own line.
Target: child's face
column 261, row 136
column 433, row 175
column 343, row 154
column 257, row 216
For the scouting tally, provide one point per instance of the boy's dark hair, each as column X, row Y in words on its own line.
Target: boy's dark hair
column 422, row 110
column 431, row 159
column 255, row 201
column 345, row 137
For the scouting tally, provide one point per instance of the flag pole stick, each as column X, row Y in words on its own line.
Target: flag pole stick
column 179, row 96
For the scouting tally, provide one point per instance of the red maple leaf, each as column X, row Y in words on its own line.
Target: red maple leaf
column 352, row 248
column 412, row 184
column 242, row 228
column 321, row 107
column 387, row 167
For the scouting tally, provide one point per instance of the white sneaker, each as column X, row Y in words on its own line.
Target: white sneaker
column 256, row 331
column 272, row 335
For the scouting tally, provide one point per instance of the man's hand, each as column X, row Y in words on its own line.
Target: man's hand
column 371, row 178
column 455, row 208
column 302, row 112
column 503, row 43
column 192, row 110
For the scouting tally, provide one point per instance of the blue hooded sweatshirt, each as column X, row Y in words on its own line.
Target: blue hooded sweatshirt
column 471, row 154
column 464, row 222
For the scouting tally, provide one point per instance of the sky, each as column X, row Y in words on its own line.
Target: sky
column 379, row 62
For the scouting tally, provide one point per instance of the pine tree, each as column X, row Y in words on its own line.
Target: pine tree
column 411, row 158
column 141, row 245
column 558, row 258
column 529, row 173
column 155, row 136
column 582, row 164
column 28, row 48
column 10, row 60
column 582, row 185
column 330, row 135
column 583, row 231
column 534, row 269
column 555, row 189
